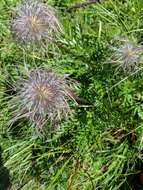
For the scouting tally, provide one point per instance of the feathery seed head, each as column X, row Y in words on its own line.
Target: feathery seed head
column 129, row 53
column 42, row 96
column 34, row 22
column 127, row 56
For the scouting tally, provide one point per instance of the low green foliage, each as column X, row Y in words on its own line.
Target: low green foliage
column 101, row 145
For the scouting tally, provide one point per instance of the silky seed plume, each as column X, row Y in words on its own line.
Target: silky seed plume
column 127, row 56
column 34, row 22
column 42, row 96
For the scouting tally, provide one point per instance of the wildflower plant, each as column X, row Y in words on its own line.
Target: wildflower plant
column 34, row 22
column 127, row 56
column 42, row 96
column 101, row 147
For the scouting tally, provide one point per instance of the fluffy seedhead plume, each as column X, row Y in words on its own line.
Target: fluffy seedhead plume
column 42, row 96
column 34, row 22
column 127, row 56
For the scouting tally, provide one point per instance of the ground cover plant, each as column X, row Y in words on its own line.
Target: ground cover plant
column 71, row 95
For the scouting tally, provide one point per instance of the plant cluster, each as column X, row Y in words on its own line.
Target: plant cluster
column 43, row 95
column 71, row 95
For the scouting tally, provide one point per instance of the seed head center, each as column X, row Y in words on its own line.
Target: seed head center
column 127, row 52
column 44, row 91
column 33, row 22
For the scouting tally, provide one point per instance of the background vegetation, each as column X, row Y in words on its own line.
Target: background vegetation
column 101, row 146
